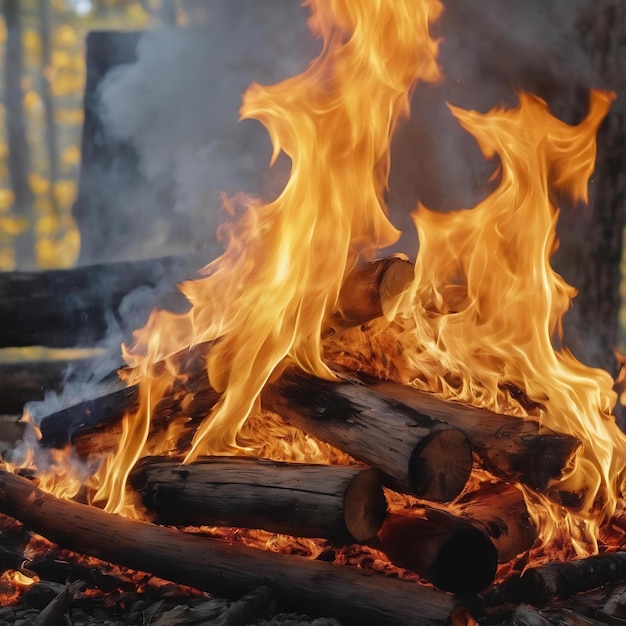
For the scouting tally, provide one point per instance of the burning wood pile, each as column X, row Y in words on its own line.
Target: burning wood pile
column 411, row 419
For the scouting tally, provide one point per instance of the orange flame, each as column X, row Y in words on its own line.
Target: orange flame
column 486, row 304
column 268, row 295
column 484, row 309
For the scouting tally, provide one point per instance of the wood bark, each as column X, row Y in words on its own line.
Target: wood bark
column 499, row 509
column 302, row 500
column 353, row 596
column 445, row 550
column 415, row 453
column 512, row 448
column 540, row 584
column 370, row 291
column 65, row 308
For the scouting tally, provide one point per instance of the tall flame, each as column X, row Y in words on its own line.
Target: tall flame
column 487, row 306
column 267, row 296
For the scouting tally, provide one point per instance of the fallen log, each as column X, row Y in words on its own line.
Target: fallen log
column 500, row 511
column 303, row 500
column 26, row 381
column 512, row 448
column 538, row 585
column 67, row 308
column 445, row 550
column 353, row 596
column 415, row 453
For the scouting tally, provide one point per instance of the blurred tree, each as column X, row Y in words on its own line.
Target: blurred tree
column 18, row 148
column 52, row 145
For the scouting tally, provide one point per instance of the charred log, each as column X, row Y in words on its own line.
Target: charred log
column 538, row 585
column 370, row 291
column 330, row 501
column 415, row 453
column 66, row 308
column 500, row 510
column 447, row 551
column 353, row 596
column 512, row 448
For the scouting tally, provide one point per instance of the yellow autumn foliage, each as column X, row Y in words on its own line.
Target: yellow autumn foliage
column 6, row 200
column 65, row 192
column 38, row 183
column 32, row 101
column 32, row 45
column 73, row 117
column 12, row 225
column 71, row 155
column 65, row 36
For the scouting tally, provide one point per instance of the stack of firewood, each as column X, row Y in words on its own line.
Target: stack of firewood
column 400, row 440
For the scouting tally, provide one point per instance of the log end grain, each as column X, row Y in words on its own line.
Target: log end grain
column 365, row 505
column 434, row 472
column 547, row 458
column 445, row 550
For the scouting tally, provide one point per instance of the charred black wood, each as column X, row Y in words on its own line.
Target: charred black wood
column 353, row 596
column 303, row 500
column 67, row 308
column 540, row 584
column 445, row 550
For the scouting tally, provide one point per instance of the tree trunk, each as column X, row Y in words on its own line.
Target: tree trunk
column 591, row 238
column 18, row 156
column 52, row 148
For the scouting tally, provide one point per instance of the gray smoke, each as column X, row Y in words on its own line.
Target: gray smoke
column 178, row 107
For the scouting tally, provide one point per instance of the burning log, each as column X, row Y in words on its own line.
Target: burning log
column 352, row 595
column 561, row 580
column 447, row 551
column 500, row 510
column 415, row 453
column 331, row 501
column 512, row 448
column 369, row 291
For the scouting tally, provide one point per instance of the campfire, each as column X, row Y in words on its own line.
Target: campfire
column 416, row 420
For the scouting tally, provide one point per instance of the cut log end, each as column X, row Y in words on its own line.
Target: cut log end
column 548, row 458
column 448, row 552
column 435, row 472
column 365, row 506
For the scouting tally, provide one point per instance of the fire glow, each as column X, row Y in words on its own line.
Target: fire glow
column 479, row 318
